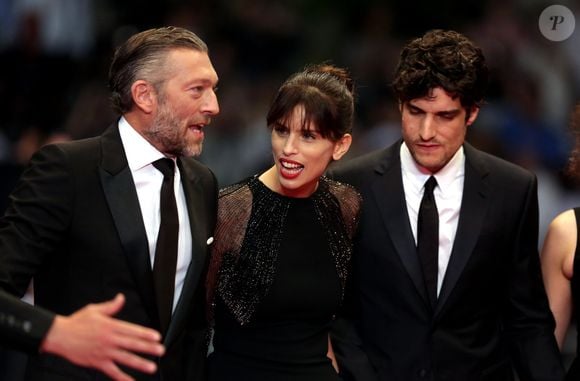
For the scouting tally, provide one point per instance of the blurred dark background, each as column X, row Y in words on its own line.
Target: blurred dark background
column 54, row 57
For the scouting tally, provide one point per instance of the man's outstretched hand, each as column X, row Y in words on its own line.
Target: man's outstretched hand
column 91, row 337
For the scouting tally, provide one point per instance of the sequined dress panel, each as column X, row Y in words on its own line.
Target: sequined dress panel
column 276, row 295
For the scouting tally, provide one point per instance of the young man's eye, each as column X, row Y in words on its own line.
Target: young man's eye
column 447, row 116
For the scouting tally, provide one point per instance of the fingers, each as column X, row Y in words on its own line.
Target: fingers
column 127, row 338
column 136, row 344
column 92, row 337
column 123, row 336
column 111, row 307
column 133, row 361
column 127, row 335
column 134, row 332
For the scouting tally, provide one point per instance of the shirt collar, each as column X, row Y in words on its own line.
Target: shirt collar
column 138, row 150
column 445, row 177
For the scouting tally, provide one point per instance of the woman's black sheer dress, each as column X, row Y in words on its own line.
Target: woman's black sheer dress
column 278, row 288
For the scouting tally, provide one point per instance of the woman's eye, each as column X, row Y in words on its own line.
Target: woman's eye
column 281, row 130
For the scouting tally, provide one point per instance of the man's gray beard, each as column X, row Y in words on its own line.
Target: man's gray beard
column 164, row 135
column 159, row 139
column 192, row 151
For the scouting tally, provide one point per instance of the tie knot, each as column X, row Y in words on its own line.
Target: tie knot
column 430, row 185
column 165, row 166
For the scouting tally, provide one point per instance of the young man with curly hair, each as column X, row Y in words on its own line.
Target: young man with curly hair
column 458, row 296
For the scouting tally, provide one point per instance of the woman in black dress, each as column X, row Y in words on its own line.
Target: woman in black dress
column 561, row 261
column 283, row 241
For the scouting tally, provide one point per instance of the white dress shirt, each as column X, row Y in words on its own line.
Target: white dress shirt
column 140, row 156
column 448, row 194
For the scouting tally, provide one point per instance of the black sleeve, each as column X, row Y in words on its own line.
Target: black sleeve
column 22, row 326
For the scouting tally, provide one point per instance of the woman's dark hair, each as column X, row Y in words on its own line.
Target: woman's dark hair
column 445, row 59
column 326, row 93
column 142, row 56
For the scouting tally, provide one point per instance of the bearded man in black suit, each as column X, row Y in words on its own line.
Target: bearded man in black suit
column 87, row 218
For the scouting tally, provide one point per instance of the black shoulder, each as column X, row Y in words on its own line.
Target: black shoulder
column 232, row 189
column 343, row 191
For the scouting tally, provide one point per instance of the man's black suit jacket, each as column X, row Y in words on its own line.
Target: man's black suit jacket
column 492, row 313
column 22, row 326
column 74, row 224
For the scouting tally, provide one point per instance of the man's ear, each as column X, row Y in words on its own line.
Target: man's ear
column 472, row 115
column 144, row 96
column 341, row 146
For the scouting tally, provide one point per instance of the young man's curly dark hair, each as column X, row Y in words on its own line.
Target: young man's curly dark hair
column 445, row 59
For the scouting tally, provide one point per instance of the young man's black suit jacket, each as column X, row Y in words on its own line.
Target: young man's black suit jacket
column 75, row 225
column 492, row 312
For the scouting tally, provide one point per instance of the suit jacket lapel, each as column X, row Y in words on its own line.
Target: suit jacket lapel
column 121, row 196
column 390, row 196
column 194, row 196
column 471, row 216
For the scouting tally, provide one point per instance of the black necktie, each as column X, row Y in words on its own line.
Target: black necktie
column 166, row 249
column 428, row 239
